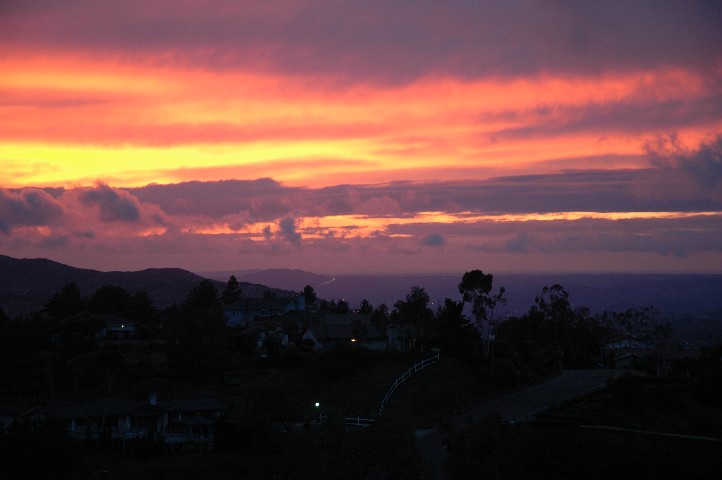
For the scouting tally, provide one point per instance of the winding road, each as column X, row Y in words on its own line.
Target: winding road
column 517, row 406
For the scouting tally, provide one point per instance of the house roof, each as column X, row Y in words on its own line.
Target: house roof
column 624, row 341
column 191, row 404
column 17, row 408
column 105, row 407
column 347, row 331
column 271, row 303
column 200, row 422
column 90, row 408
column 347, row 318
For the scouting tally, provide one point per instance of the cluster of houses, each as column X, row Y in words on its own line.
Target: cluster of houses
column 288, row 320
column 175, row 422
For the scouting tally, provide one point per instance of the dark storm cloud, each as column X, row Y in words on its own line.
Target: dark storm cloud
column 704, row 164
column 287, row 231
column 264, row 199
column 115, row 205
column 27, row 207
column 433, row 240
column 380, row 40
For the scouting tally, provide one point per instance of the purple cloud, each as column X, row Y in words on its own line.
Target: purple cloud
column 433, row 240
column 287, row 230
column 671, row 185
column 620, row 117
column 380, row 41
column 27, row 207
column 115, row 205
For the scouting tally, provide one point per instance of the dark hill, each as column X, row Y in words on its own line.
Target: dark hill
column 27, row 284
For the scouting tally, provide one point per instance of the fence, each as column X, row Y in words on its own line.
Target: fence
column 405, row 376
column 358, row 422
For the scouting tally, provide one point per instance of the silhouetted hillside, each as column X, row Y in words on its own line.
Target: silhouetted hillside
column 27, row 284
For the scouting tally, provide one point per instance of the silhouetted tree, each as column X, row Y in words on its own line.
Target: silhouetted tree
column 553, row 303
column 309, row 296
column 456, row 335
column 141, row 306
column 380, row 318
column 475, row 288
column 198, row 333
column 415, row 309
column 342, row 307
column 365, row 307
column 66, row 302
column 111, row 300
column 203, row 296
column 232, row 292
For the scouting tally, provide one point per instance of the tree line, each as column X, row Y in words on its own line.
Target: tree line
column 553, row 334
column 55, row 349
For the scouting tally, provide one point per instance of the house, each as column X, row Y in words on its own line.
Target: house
column 401, row 336
column 625, row 342
column 18, row 413
column 191, row 420
column 169, row 421
column 277, row 333
column 118, row 330
column 625, row 351
column 104, row 418
column 245, row 311
column 630, row 361
column 329, row 334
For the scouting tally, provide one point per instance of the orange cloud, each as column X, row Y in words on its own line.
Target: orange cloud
column 77, row 120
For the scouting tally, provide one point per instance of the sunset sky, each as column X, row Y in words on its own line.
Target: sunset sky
column 363, row 136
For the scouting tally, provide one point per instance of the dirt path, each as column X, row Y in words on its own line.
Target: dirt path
column 517, row 406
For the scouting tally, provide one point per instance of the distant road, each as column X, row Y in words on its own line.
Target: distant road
column 569, row 385
column 327, row 282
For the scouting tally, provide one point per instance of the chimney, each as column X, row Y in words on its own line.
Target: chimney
column 153, row 399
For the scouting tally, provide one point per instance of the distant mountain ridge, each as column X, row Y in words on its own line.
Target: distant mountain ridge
column 286, row 278
column 27, row 284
